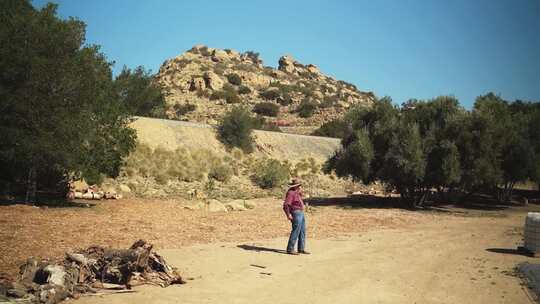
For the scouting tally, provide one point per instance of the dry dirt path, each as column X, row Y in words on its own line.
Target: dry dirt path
column 444, row 261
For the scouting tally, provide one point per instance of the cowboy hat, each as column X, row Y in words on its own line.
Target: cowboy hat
column 295, row 182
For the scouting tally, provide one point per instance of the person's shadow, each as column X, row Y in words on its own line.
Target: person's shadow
column 259, row 249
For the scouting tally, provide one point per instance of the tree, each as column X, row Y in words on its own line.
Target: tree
column 139, row 93
column 59, row 114
column 354, row 158
column 235, row 129
column 404, row 164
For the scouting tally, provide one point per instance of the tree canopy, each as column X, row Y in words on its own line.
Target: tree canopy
column 438, row 145
column 60, row 114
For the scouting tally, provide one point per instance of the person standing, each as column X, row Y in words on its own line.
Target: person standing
column 294, row 210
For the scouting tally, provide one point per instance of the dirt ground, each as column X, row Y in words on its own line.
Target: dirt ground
column 358, row 255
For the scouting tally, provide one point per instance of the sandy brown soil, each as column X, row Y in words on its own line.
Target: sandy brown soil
column 49, row 232
column 359, row 255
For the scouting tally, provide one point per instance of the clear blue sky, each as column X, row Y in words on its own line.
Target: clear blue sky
column 402, row 48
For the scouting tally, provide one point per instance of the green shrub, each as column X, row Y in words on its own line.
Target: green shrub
column 243, row 90
column 218, row 95
column 234, row 78
column 235, row 129
column 232, row 97
column 306, row 108
column 270, row 174
column 337, row 128
column 270, row 94
column 220, row 68
column 204, row 51
column 266, row 109
column 228, row 93
column 221, row 172
column 182, row 109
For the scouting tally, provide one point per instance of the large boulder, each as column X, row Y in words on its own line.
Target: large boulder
column 313, row 69
column 213, row 81
column 286, row 64
column 197, row 83
column 219, row 55
column 215, row 206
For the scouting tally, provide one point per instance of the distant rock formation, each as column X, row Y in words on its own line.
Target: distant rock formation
column 213, row 80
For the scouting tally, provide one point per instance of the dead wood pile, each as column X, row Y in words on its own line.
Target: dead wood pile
column 89, row 271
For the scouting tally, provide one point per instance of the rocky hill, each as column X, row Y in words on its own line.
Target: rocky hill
column 203, row 83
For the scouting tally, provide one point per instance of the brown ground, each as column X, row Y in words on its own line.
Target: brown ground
column 49, row 232
column 359, row 254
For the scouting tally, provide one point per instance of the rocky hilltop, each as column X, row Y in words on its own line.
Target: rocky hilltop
column 203, row 83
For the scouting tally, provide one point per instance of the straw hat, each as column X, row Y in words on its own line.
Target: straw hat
column 295, row 182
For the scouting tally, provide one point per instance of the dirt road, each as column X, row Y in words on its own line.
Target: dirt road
column 452, row 260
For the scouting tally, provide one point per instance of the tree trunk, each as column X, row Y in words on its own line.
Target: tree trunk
column 31, row 186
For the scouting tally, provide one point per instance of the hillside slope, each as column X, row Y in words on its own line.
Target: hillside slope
column 171, row 134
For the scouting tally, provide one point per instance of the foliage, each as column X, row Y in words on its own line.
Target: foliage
column 234, row 78
column 228, row 93
column 306, row 108
column 270, row 174
column 270, row 94
column 235, row 129
column 243, row 90
column 437, row 144
column 140, row 95
column 183, row 109
column 254, row 56
column 60, row 113
column 165, row 166
column 337, row 128
column 221, row 172
column 266, row 109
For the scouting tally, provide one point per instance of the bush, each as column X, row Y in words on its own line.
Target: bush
column 232, row 97
column 270, row 94
column 182, row 109
column 337, row 128
column 228, row 94
column 271, row 174
column 235, row 129
column 221, row 172
column 306, row 109
column 266, row 109
column 218, row 95
column 205, row 51
column 220, row 68
column 243, row 90
column 234, row 79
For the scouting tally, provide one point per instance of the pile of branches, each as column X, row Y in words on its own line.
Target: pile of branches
column 95, row 270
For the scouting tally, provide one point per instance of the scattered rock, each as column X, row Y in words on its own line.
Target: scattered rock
column 236, row 205
column 215, row 206
column 124, row 188
column 249, row 204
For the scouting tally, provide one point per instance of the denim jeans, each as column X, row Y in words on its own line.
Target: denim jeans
column 298, row 231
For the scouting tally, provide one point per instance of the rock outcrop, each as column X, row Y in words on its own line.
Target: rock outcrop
column 214, row 80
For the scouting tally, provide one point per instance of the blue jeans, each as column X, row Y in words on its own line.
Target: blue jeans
column 298, row 231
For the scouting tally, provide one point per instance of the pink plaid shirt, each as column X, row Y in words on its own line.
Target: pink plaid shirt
column 293, row 201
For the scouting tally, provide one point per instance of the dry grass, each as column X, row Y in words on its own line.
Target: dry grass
column 49, row 232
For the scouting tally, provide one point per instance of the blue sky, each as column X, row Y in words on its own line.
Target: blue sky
column 403, row 48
